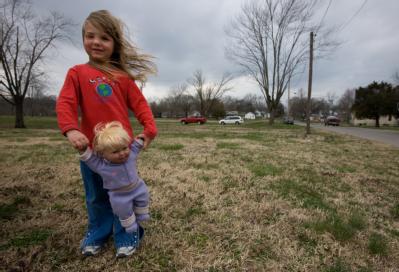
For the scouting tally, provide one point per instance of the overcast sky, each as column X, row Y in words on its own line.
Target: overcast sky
column 187, row 35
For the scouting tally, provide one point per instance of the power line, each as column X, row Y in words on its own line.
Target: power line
column 324, row 15
column 353, row 17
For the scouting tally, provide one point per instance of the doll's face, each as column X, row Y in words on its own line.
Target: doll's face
column 119, row 155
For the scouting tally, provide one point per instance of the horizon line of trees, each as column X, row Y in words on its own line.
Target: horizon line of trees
column 372, row 102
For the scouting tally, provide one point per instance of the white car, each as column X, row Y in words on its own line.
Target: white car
column 231, row 120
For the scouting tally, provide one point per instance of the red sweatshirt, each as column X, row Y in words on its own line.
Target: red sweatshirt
column 101, row 99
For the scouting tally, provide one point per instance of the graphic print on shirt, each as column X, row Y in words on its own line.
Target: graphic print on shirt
column 103, row 87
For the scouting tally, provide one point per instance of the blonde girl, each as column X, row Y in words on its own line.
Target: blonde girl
column 104, row 90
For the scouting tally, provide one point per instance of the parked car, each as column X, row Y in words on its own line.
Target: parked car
column 288, row 120
column 232, row 120
column 332, row 121
column 193, row 119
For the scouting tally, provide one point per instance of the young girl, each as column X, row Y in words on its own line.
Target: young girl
column 114, row 159
column 104, row 90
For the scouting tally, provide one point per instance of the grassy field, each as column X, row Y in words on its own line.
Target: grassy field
column 223, row 198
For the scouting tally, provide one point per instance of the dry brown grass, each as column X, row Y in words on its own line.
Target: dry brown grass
column 231, row 198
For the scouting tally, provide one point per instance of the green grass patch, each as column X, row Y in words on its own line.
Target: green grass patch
column 378, row 244
column 229, row 183
column 261, row 170
column 307, row 242
column 195, row 210
column 170, row 147
column 302, row 193
column 205, row 166
column 395, row 211
column 346, row 169
column 30, row 122
column 342, row 229
column 205, row 178
column 254, row 136
column 32, row 237
column 198, row 239
column 227, row 145
column 262, row 250
column 8, row 211
column 338, row 266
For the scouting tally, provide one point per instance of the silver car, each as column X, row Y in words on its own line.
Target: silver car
column 231, row 120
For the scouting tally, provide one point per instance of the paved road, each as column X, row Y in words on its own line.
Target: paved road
column 380, row 135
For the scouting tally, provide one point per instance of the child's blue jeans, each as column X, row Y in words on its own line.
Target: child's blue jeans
column 102, row 222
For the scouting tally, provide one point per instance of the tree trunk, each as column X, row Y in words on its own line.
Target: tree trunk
column 377, row 121
column 19, row 113
column 271, row 119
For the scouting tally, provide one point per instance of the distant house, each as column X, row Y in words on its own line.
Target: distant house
column 316, row 117
column 249, row 115
column 260, row 114
column 384, row 121
column 195, row 113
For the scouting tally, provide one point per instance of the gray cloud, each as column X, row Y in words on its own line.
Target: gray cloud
column 188, row 35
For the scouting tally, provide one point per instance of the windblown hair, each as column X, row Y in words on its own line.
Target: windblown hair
column 110, row 136
column 126, row 56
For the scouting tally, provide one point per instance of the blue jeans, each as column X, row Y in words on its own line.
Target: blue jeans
column 102, row 222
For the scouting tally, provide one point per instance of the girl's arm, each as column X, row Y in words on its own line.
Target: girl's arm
column 68, row 103
column 142, row 111
column 77, row 139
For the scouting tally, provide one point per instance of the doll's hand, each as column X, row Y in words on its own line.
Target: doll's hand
column 147, row 140
column 78, row 140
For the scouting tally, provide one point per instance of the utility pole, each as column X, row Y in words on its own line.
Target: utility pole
column 309, row 84
column 288, row 104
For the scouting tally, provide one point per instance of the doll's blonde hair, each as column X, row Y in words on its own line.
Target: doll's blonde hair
column 110, row 136
column 126, row 56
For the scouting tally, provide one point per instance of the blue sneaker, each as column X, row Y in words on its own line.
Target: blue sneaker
column 125, row 251
column 88, row 248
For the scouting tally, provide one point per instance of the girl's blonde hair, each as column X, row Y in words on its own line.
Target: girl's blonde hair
column 126, row 56
column 110, row 136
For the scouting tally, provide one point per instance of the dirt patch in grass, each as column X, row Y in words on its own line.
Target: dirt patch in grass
column 223, row 198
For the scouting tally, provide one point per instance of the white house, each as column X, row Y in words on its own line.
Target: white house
column 249, row 115
column 384, row 121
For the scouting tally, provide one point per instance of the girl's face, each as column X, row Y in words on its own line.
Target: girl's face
column 98, row 44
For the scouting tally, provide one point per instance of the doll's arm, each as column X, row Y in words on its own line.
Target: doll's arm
column 137, row 145
column 93, row 161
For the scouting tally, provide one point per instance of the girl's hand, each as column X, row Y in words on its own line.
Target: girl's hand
column 77, row 139
column 147, row 140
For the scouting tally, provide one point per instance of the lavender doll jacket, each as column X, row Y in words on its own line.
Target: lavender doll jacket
column 128, row 193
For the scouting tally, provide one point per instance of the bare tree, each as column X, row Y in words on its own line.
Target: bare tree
column 268, row 42
column 298, row 105
column 208, row 93
column 396, row 78
column 345, row 104
column 183, row 101
column 25, row 38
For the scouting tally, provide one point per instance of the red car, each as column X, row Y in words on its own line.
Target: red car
column 332, row 121
column 193, row 119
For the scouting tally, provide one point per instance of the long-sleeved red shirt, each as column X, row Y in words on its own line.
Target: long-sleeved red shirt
column 101, row 99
